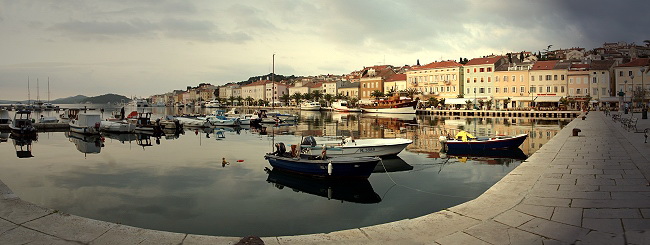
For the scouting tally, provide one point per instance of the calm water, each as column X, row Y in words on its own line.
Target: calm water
column 179, row 184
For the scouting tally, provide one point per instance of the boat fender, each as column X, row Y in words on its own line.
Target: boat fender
column 97, row 125
column 330, row 168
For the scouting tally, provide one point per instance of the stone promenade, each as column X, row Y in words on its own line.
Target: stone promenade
column 586, row 189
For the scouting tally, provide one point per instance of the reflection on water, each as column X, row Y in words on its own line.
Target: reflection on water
column 177, row 181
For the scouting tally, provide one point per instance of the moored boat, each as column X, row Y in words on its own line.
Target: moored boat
column 86, row 123
column 343, row 106
column 192, row 122
column 356, row 147
column 22, row 124
column 4, row 116
column 323, row 165
column 310, row 106
column 116, row 126
column 143, row 123
column 393, row 105
column 465, row 141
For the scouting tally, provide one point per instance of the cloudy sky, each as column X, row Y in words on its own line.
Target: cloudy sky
column 145, row 47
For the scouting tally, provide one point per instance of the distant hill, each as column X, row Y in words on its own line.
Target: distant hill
column 106, row 98
column 70, row 100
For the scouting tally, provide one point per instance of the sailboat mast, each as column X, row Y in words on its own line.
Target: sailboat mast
column 38, row 95
column 48, row 89
column 29, row 95
column 273, row 83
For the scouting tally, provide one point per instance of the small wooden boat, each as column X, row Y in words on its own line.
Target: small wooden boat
column 194, row 122
column 355, row 147
column 116, row 126
column 321, row 166
column 465, row 141
column 395, row 105
column 22, row 124
column 86, row 123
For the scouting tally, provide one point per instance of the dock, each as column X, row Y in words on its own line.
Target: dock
column 499, row 113
column 43, row 127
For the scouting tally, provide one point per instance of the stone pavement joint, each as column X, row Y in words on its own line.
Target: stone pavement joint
column 591, row 189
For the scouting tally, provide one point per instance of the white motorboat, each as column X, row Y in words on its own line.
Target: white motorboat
column 140, row 103
column 69, row 114
column 192, row 122
column 213, row 104
column 244, row 119
column 117, row 126
column 87, row 144
column 343, row 106
column 355, row 147
column 143, row 123
column 219, row 118
column 22, row 124
column 86, row 123
column 4, row 117
column 310, row 106
column 44, row 119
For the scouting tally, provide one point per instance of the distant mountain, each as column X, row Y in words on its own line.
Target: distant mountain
column 106, row 98
column 70, row 100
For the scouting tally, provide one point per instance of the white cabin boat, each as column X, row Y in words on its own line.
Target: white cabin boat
column 213, row 104
column 355, row 147
column 191, row 122
column 22, row 124
column 310, row 106
column 343, row 106
column 117, row 127
column 86, row 123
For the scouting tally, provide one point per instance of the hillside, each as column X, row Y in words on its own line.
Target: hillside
column 69, row 100
column 106, row 98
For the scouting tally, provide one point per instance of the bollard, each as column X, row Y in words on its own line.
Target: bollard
column 576, row 131
column 583, row 117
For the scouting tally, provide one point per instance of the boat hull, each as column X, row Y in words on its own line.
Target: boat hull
column 83, row 129
column 495, row 143
column 347, row 167
column 402, row 110
column 361, row 148
column 118, row 127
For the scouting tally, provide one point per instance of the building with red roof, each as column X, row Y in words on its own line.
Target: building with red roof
column 478, row 77
column 633, row 77
column 437, row 79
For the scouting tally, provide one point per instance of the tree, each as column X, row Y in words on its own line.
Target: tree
column 433, row 102
column 249, row 100
column 465, row 61
column 377, row 94
column 260, row 102
column 468, row 104
column 411, row 92
column 285, row 98
column 308, row 96
column 297, row 97
column 232, row 99
column 329, row 99
column 339, row 96
column 353, row 101
column 506, row 102
column 442, row 102
column 317, row 94
column 489, row 104
column 391, row 92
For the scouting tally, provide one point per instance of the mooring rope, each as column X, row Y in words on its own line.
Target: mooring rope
column 419, row 190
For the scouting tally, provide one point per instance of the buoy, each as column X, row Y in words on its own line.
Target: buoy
column 240, row 160
column 329, row 168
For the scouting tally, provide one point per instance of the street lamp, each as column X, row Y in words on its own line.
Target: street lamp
column 632, row 99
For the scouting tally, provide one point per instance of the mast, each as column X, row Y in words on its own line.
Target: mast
column 38, row 95
column 273, row 83
column 48, row 89
column 29, row 96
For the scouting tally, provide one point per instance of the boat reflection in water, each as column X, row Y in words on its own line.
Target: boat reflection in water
column 4, row 137
column 349, row 190
column 503, row 153
column 392, row 164
column 122, row 138
column 23, row 144
column 87, row 144
column 144, row 139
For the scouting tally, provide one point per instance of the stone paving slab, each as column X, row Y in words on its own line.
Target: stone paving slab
column 590, row 189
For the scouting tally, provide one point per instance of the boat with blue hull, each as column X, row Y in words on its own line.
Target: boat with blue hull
column 515, row 153
column 322, row 166
column 467, row 142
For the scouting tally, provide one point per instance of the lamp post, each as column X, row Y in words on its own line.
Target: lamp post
column 644, row 108
column 633, row 96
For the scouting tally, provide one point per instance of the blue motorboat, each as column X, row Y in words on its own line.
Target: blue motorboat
column 322, row 166
column 465, row 141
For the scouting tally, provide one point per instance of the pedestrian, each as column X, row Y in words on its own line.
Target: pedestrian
column 224, row 162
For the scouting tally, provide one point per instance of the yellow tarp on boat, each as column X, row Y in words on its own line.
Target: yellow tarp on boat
column 464, row 136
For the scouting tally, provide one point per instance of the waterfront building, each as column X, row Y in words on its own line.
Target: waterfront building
column 511, row 85
column 372, row 79
column 395, row 83
column 228, row 90
column 478, row 73
column 602, row 83
column 437, row 79
column 632, row 78
column 331, row 87
column 350, row 90
column 274, row 92
column 255, row 90
column 548, row 83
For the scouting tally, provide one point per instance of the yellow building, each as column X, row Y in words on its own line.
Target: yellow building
column 548, row 83
column 478, row 77
column 633, row 76
column 511, row 83
column 437, row 79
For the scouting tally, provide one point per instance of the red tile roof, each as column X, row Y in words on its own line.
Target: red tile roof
column 442, row 64
column 637, row 62
column 396, row 77
column 580, row 66
column 313, row 85
column 544, row 65
column 484, row 61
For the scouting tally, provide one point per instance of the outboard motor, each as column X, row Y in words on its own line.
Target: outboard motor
column 309, row 140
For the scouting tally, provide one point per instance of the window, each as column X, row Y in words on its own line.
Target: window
column 578, row 91
column 594, row 80
column 540, row 77
column 548, row 89
column 555, row 89
column 522, row 89
column 603, row 91
column 448, row 89
column 570, row 80
column 474, row 90
column 474, row 80
column 489, row 79
column 474, row 70
column 505, row 90
column 571, row 91
column 532, row 78
column 629, row 73
column 481, row 79
column 482, row 69
column 467, row 80
column 555, row 77
column 513, row 79
column 505, row 78
column 468, row 90
column 548, row 77
column 620, row 74
column 489, row 90
column 532, row 89
column 561, row 89
column 496, row 90
column 482, row 90
column 467, row 70
column 595, row 91
column 489, row 69
column 521, row 78
column 496, row 78
column 562, row 77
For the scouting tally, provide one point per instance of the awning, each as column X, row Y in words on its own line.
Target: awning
column 521, row 98
column 547, row 98
column 609, row 99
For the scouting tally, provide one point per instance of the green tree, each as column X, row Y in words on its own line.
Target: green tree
column 391, row 92
column 249, row 100
column 232, row 100
column 433, row 102
column 377, row 94
column 285, row 98
column 297, row 97
column 442, row 102
column 468, row 104
column 308, row 96
column 317, row 95
column 328, row 98
column 411, row 92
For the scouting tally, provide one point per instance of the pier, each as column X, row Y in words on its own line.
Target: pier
column 489, row 113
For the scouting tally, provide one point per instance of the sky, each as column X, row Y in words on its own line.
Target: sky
column 146, row 47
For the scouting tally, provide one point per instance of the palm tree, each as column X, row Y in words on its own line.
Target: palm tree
column 377, row 94
column 232, row 99
column 329, row 98
column 442, row 103
column 297, row 97
column 285, row 98
column 260, row 102
column 249, row 100
column 339, row 96
column 307, row 96
column 433, row 102
column 391, row 92
column 317, row 94
column 411, row 92
column 468, row 104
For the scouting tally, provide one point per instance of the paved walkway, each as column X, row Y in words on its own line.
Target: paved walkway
column 590, row 189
